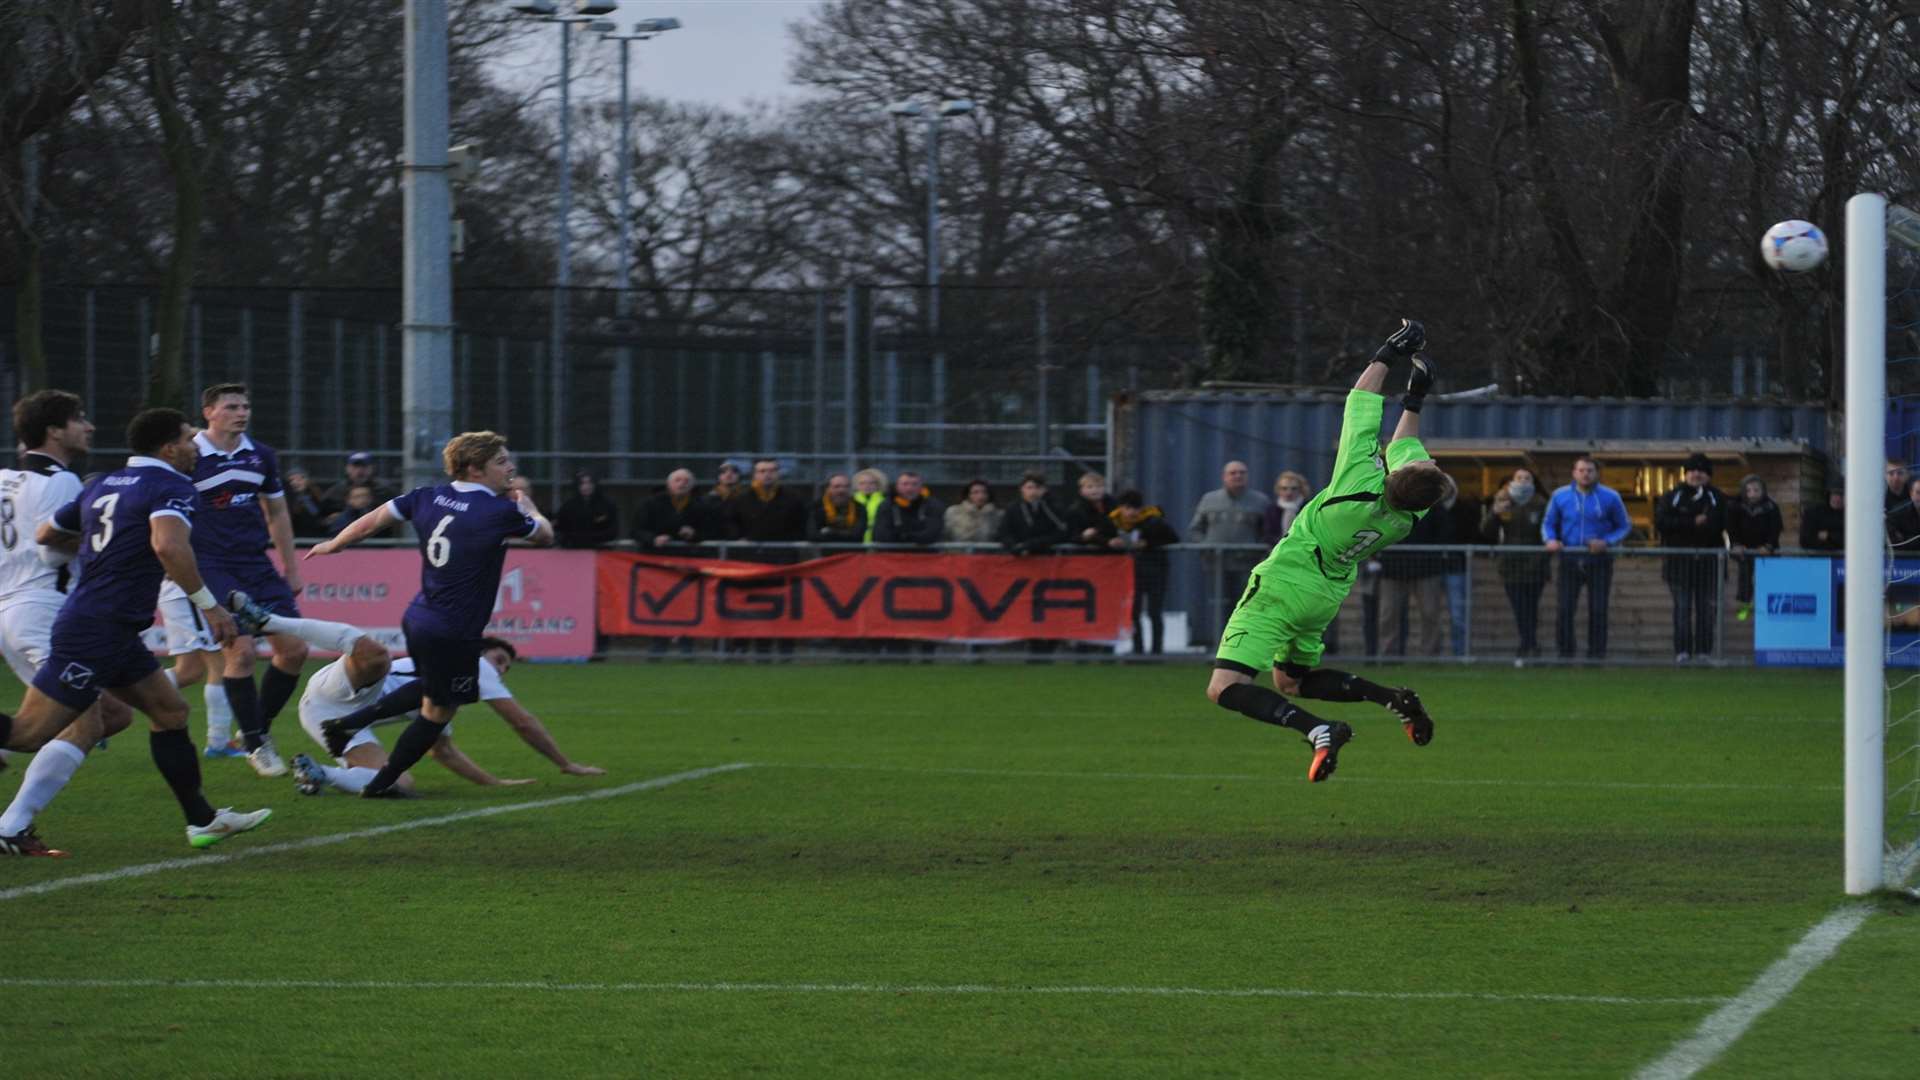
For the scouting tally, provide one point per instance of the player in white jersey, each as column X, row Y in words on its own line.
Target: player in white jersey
column 190, row 642
column 54, row 425
column 365, row 683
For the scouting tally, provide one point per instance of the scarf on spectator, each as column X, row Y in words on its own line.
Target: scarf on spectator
column 1127, row 519
column 723, row 492
column 680, row 502
column 908, row 504
column 764, row 494
column 838, row 518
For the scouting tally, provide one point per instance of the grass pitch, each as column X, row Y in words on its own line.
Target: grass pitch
column 1064, row 871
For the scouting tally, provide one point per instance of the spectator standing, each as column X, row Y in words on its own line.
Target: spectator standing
column 1514, row 519
column 1754, row 525
column 303, row 506
column 1585, row 521
column 1090, row 519
column 1897, row 485
column 768, row 512
column 1145, row 531
column 1416, row 576
column 1824, row 527
column 718, row 501
column 1693, row 515
column 837, row 518
column 588, row 519
column 360, row 499
column 1032, row 526
column 1290, row 492
column 1903, row 521
column 1464, row 524
column 1229, row 514
column 674, row 516
column 974, row 520
column 359, row 471
column 870, row 491
column 911, row 516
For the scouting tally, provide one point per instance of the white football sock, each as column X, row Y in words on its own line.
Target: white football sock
column 337, row 636
column 52, row 767
column 349, row 778
column 219, row 715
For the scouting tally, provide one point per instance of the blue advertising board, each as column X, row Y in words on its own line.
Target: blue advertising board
column 1800, row 616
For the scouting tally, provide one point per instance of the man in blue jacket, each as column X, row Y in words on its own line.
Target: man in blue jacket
column 1585, row 519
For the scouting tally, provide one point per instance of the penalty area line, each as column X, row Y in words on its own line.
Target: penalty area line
column 930, row 989
column 236, row 855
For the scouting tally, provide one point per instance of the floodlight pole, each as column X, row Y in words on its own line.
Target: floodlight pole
column 426, row 326
column 563, row 253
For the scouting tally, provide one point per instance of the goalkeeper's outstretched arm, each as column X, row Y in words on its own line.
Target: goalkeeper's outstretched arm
column 1406, row 341
column 1419, row 381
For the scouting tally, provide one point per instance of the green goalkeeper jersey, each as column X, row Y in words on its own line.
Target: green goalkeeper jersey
column 1349, row 519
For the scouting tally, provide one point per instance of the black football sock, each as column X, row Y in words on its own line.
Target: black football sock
column 408, row 749
column 174, row 756
column 1325, row 684
column 276, row 687
column 1268, row 707
column 244, row 698
column 401, row 701
column 6, row 729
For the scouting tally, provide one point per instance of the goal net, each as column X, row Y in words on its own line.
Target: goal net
column 1882, row 585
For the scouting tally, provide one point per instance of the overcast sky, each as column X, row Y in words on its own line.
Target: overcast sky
column 726, row 52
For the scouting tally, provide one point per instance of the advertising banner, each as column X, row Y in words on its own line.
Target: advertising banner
column 869, row 595
column 544, row 606
column 1800, row 618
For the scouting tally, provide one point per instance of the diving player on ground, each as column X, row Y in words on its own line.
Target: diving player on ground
column 1371, row 502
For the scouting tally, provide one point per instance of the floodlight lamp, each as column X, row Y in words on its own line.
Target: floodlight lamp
column 906, row 108
column 656, row 26
column 960, row 107
column 535, row 7
column 603, row 26
column 595, row 7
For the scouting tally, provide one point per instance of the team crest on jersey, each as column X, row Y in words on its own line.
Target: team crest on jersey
column 78, row 676
column 462, row 684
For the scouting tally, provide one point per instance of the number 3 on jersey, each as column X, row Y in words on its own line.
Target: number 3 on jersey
column 104, row 504
column 439, row 548
column 1362, row 540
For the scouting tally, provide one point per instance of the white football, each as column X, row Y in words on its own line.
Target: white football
column 1794, row 246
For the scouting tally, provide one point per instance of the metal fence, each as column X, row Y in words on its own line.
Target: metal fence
column 825, row 380
column 1439, row 603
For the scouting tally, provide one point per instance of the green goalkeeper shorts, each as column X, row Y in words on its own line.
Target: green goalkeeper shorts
column 1281, row 616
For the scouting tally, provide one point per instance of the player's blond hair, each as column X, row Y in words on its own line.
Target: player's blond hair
column 471, row 450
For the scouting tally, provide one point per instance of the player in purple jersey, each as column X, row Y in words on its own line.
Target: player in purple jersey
column 130, row 527
column 463, row 527
column 243, row 512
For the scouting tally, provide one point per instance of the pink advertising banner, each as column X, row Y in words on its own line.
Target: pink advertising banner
column 545, row 605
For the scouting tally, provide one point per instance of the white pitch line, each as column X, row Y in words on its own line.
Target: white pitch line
column 1727, row 1023
column 1607, row 785
column 237, row 854
column 845, row 988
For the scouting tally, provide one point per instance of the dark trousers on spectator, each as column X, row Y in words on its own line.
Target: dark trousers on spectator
column 1225, row 577
column 1524, row 595
column 1149, row 600
column 1431, row 594
column 1595, row 574
column 1694, row 585
column 1745, row 564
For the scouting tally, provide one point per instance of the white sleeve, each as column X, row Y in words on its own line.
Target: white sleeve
column 492, row 686
column 60, row 489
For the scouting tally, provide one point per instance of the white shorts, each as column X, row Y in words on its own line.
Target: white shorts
column 26, row 627
column 330, row 695
column 187, row 632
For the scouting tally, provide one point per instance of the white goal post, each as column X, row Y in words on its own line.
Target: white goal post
column 1870, row 864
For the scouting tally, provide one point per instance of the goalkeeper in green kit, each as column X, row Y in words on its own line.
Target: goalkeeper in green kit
column 1372, row 501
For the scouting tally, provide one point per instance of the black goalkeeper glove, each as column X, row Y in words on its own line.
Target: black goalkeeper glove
column 1409, row 339
column 1419, row 381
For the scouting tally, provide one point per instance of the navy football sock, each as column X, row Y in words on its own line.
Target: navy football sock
column 408, row 749
column 1267, row 707
column 6, row 729
column 276, row 687
column 244, row 698
column 173, row 755
column 1325, row 684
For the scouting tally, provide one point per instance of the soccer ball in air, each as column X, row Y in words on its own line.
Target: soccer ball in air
column 1794, row 246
